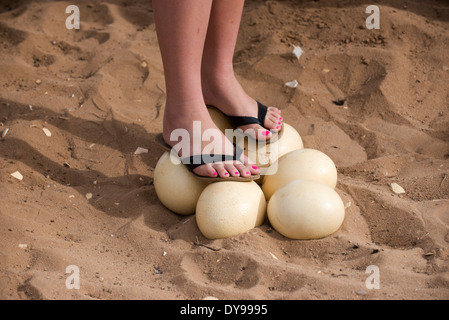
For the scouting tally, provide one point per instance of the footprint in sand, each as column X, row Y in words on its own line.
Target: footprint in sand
column 10, row 36
column 225, row 269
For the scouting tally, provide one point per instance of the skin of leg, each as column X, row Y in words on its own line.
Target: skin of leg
column 220, row 86
column 181, row 28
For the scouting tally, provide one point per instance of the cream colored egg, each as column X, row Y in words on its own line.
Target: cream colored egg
column 176, row 187
column 307, row 164
column 265, row 154
column 229, row 208
column 304, row 209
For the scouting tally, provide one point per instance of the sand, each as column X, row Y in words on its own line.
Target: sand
column 87, row 200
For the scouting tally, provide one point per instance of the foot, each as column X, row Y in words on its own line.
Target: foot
column 226, row 94
column 197, row 122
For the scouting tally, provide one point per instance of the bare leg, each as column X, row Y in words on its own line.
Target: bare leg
column 220, row 86
column 181, row 28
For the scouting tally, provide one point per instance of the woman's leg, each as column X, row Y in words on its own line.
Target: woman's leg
column 220, row 86
column 181, row 28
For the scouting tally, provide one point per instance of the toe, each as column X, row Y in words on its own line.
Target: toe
column 244, row 170
column 263, row 134
column 273, row 120
column 273, row 124
column 274, row 111
column 254, row 169
column 221, row 170
column 232, row 170
column 206, row 171
column 250, row 167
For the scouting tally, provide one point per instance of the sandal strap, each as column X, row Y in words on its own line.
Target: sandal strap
column 194, row 162
column 238, row 121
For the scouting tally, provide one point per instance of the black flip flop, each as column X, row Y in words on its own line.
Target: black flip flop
column 194, row 162
column 238, row 121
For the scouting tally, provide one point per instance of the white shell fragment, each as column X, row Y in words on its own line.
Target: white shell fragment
column 273, row 256
column 397, row 188
column 47, row 132
column 17, row 175
column 297, row 51
column 5, row 132
column 140, row 150
column 88, row 196
column 292, row 84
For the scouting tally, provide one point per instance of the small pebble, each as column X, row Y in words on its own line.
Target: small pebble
column 140, row 150
column 5, row 132
column 47, row 132
column 17, row 175
column 292, row 84
column 397, row 188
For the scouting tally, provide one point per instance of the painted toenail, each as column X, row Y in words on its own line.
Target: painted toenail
column 226, row 174
column 277, row 127
column 279, row 122
column 281, row 118
column 248, row 173
column 266, row 133
column 255, row 167
column 237, row 172
column 215, row 173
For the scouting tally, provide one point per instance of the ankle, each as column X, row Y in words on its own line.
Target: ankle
column 216, row 88
column 217, row 77
column 183, row 114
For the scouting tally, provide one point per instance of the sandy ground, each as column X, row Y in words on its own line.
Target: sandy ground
column 100, row 92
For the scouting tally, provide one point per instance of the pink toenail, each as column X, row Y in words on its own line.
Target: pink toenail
column 226, row 174
column 215, row 173
column 280, row 118
column 248, row 173
column 255, row 167
column 279, row 122
column 237, row 172
column 277, row 127
column 266, row 133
